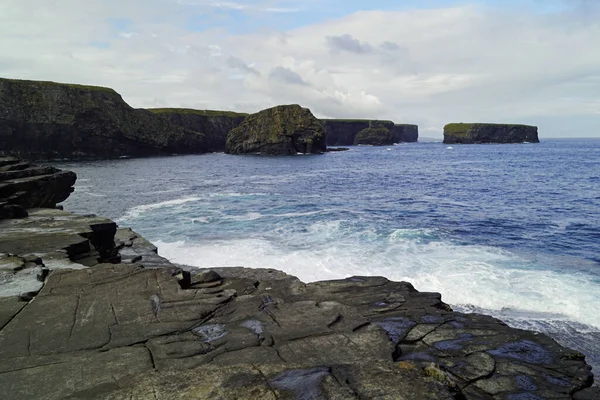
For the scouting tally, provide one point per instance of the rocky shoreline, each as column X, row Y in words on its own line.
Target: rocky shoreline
column 90, row 310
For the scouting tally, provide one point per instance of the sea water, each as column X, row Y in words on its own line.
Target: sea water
column 508, row 230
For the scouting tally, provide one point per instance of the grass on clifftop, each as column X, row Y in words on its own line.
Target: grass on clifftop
column 69, row 85
column 458, row 129
column 208, row 113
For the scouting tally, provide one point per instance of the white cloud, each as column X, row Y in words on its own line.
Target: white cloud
column 428, row 67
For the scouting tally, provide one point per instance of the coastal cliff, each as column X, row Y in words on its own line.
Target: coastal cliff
column 215, row 125
column 281, row 130
column 55, row 120
column 89, row 310
column 343, row 132
column 469, row 133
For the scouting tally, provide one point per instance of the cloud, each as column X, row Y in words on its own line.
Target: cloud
column 347, row 42
column 429, row 66
column 286, row 75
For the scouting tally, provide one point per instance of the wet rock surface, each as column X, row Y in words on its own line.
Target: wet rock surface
column 116, row 331
column 91, row 311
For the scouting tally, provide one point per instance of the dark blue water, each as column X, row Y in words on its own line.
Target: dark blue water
column 510, row 230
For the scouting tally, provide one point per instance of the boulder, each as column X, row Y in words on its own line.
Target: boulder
column 214, row 125
column 489, row 133
column 281, row 130
column 57, row 120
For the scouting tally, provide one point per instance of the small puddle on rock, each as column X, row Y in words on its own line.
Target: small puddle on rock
column 523, row 350
column 210, row 333
column 396, row 327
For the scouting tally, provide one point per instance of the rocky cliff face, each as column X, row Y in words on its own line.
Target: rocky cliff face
column 374, row 136
column 89, row 311
column 52, row 120
column 405, row 133
column 281, row 130
column 343, row 132
column 489, row 133
column 214, row 125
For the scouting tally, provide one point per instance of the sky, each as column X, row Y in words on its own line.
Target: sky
column 427, row 62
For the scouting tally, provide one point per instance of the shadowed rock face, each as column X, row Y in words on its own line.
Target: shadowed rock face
column 374, row 136
column 24, row 185
column 214, row 125
column 489, row 133
column 342, row 132
column 52, row 120
column 281, row 130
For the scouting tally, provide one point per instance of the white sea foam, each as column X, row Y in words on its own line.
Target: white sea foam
column 144, row 208
column 471, row 276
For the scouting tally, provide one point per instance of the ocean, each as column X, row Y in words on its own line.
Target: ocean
column 511, row 231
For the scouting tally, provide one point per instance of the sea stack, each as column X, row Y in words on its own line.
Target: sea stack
column 469, row 133
column 345, row 132
column 281, row 130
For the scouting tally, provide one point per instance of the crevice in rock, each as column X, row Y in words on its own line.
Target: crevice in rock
column 266, row 381
column 74, row 318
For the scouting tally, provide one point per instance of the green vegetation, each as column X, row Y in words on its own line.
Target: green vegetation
column 45, row 84
column 458, row 129
column 209, row 113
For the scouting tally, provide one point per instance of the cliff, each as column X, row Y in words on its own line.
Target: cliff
column 55, row 120
column 342, row 132
column 281, row 130
column 91, row 311
column 215, row 125
column 489, row 133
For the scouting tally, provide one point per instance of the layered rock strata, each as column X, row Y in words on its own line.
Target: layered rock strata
column 24, row 185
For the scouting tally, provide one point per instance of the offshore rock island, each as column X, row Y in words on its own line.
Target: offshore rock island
column 90, row 310
column 489, row 133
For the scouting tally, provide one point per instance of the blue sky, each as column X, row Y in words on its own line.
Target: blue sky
column 427, row 62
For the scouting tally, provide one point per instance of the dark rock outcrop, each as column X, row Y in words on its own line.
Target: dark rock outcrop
column 281, row 130
column 24, row 185
column 489, row 133
column 54, row 120
column 343, row 132
column 405, row 133
column 215, row 125
column 374, row 136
